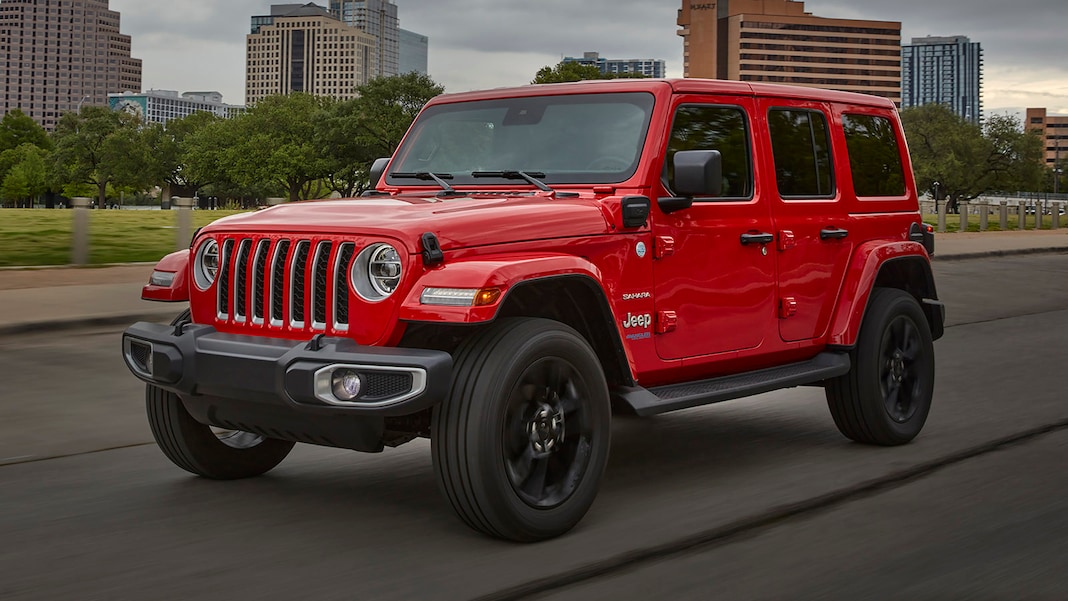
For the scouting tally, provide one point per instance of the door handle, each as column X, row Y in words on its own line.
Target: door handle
column 833, row 233
column 761, row 238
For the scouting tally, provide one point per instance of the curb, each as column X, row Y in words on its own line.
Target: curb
column 999, row 253
column 74, row 323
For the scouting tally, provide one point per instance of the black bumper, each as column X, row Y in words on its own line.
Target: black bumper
column 280, row 388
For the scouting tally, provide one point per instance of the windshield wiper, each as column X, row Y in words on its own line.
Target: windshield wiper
column 531, row 177
column 426, row 175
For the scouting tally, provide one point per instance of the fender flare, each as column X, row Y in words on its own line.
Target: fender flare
column 867, row 263
column 177, row 263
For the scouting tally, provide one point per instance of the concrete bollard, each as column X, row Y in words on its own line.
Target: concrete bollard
column 1056, row 210
column 942, row 217
column 1004, row 215
column 963, row 209
column 185, row 222
column 984, row 216
column 80, row 243
column 1022, row 212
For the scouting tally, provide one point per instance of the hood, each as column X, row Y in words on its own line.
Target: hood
column 458, row 222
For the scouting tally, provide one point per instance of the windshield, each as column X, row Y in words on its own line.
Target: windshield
column 573, row 139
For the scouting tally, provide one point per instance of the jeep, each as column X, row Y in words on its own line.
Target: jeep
column 532, row 261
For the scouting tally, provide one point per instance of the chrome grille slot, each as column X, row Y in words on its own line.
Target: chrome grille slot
column 298, row 283
column 259, row 279
column 241, row 281
column 341, row 286
column 320, row 265
column 224, row 280
column 278, row 279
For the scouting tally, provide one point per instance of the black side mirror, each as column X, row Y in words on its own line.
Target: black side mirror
column 697, row 173
column 378, row 169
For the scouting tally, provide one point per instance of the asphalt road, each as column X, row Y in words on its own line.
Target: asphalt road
column 754, row 499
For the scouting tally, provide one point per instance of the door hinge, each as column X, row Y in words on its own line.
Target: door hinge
column 664, row 246
column 787, row 307
column 666, row 321
column 786, row 240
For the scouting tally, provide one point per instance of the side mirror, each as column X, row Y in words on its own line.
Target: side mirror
column 697, row 173
column 378, row 169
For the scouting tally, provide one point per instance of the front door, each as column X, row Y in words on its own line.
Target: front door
column 715, row 271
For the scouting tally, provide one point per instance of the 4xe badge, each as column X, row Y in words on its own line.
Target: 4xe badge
column 638, row 321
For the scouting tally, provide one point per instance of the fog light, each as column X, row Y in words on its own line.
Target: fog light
column 346, row 384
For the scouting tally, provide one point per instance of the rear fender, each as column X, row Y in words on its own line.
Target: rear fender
column 871, row 266
column 176, row 263
column 502, row 273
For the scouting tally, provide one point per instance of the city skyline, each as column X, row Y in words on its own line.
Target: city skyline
column 199, row 44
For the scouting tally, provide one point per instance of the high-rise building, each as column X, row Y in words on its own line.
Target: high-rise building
column 649, row 67
column 304, row 48
column 1053, row 129
column 943, row 70
column 777, row 41
column 378, row 18
column 60, row 55
column 160, row 106
column 414, row 49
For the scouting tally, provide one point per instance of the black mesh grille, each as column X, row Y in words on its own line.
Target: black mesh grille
column 300, row 269
column 241, row 281
column 385, row 385
column 322, row 266
column 278, row 280
column 341, row 285
column 260, row 274
column 139, row 352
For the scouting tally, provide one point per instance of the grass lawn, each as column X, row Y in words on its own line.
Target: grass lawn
column 993, row 223
column 31, row 237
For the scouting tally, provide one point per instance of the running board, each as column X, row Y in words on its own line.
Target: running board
column 673, row 397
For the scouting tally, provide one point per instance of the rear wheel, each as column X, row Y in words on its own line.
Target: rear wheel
column 521, row 443
column 204, row 450
column 886, row 396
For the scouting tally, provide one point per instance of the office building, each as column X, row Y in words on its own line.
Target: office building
column 59, row 56
column 160, row 106
column 943, row 70
column 304, row 48
column 378, row 18
column 1053, row 129
column 648, row 67
column 778, row 41
column 414, row 49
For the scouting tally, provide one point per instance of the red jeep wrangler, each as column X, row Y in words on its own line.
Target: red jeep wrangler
column 533, row 258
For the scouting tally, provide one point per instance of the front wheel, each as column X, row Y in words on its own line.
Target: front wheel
column 520, row 445
column 886, row 396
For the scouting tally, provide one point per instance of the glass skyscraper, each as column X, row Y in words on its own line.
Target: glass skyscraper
column 943, row 70
column 378, row 18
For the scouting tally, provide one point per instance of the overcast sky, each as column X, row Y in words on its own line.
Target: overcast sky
column 200, row 44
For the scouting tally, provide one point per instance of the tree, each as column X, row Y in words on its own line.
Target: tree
column 356, row 132
column 566, row 71
column 170, row 143
column 17, row 128
column 967, row 160
column 23, row 173
column 99, row 146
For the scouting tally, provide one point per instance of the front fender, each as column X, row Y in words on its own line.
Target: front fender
column 177, row 263
column 868, row 259
column 501, row 272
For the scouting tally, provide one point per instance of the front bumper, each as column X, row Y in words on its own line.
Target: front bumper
column 280, row 388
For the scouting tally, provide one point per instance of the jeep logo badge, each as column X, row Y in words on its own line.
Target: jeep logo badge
column 638, row 321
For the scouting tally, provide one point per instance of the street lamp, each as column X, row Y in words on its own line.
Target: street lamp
column 936, row 186
column 84, row 98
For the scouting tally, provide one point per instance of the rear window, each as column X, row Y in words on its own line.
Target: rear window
column 874, row 156
column 802, row 151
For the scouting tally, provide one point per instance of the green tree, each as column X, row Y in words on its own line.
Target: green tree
column 967, row 160
column 23, row 173
column 170, row 144
column 567, row 71
column 99, row 146
column 17, row 128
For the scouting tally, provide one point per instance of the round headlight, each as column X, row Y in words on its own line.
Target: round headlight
column 376, row 272
column 206, row 264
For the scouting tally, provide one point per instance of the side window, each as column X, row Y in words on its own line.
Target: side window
column 802, row 151
column 874, row 156
column 721, row 128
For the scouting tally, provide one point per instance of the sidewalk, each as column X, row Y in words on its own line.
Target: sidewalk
column 34, row 300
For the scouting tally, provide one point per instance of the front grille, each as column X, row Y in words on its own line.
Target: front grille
column 297, row 284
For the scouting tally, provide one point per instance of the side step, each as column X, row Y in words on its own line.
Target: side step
column 673, row 397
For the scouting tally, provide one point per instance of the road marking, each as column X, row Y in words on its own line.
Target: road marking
column 7, row 459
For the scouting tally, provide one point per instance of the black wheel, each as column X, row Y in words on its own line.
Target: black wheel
column 886, row 396
column 521, row 443
column 204, row 450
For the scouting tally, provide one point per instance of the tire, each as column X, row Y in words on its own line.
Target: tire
column 886, row 396
column 202, row 450
column 521, row 443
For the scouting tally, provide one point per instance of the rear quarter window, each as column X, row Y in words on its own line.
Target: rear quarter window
column 801, row 146
column 874, row 156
